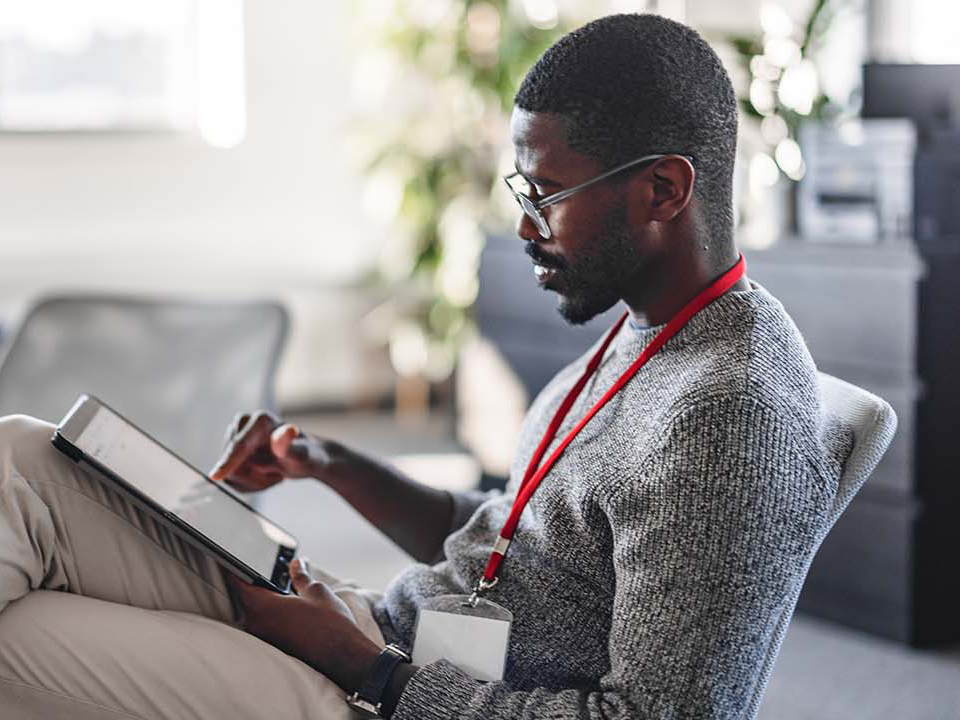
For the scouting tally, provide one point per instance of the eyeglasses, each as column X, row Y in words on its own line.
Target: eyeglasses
column 532, row 208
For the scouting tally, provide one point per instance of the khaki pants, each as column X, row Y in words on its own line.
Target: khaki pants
column 105, row 614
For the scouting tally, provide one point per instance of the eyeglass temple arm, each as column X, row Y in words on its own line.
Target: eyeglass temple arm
column 563, row 194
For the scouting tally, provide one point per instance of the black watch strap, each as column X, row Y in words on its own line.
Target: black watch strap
column 370, row 694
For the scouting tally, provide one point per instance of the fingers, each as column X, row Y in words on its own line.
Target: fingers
column 255, row 604
column 300, row 577
column 251, row 478
column 235, row 426
column 242, row 591
column 254, row 434
column 282, row 438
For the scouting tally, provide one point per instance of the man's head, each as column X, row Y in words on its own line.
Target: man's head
column 617, row 89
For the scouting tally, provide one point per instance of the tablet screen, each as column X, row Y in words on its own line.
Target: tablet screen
column 182, row 490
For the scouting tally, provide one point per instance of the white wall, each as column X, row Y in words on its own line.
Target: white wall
column 738, row 16
column 168, row 213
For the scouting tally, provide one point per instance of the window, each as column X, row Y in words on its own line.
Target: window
column 115, row 65
column 914, row 31
column 934, row 30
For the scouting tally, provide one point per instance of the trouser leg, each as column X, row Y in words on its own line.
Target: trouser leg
column 77, row 658
column 144, row 641
column 63, row 528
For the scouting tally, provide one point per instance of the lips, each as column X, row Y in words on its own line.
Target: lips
column 545, row 266
column 543, row 274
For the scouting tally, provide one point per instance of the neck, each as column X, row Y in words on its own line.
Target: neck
column 673, row 285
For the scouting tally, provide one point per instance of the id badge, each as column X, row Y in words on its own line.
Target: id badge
column 473, row 634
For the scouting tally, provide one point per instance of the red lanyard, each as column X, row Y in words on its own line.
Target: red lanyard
column 534, row 474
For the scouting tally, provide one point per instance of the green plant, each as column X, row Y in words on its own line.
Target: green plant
column 784, row 89
column 442, row 148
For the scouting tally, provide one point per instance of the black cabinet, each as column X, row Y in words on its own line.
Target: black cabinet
column 886, row 317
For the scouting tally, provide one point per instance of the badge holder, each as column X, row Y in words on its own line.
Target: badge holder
column 467, row 630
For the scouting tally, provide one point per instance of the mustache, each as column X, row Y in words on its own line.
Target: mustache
column 543, row 258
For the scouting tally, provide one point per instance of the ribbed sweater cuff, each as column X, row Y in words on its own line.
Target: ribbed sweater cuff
column 438, row 691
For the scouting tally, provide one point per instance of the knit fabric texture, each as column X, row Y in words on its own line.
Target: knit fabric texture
column 650, row 568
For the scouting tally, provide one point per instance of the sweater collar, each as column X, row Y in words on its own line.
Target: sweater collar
column 732, row 307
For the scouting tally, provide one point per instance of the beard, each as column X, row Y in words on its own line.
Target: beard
column 592, row 280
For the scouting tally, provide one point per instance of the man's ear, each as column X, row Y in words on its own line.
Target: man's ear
column 670, row 187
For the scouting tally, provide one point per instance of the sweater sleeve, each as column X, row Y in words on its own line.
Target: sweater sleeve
column 710, row 534
column 465, row 503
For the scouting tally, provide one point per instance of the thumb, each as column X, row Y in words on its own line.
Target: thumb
column 300, row 577
column 282, row 438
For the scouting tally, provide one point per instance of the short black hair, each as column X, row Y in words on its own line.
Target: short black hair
column 632, row 84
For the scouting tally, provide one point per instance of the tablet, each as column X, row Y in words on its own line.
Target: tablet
column 202, row 512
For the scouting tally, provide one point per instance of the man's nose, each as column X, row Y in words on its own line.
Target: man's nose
column 527, row 229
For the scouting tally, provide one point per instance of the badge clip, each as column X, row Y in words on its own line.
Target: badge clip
column 481, row 587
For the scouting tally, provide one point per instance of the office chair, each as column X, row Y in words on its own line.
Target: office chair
column 873, row 424
column 180, row 370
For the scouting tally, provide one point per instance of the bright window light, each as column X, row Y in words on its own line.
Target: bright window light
column 110, row 65
column 934, row 25
column 222, row 115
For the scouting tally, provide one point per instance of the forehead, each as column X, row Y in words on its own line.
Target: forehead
column 540, row 145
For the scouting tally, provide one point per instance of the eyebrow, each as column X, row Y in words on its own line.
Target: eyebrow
column 537, row 180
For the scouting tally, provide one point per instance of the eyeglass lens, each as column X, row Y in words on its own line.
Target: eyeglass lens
column 534, row 214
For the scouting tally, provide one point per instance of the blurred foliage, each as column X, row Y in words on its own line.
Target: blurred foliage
column 785, row 77
column 459, row 64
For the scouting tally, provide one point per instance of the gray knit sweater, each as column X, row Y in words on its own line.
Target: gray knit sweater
column 650, row 567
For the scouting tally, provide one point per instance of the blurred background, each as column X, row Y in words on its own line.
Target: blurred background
column 208, row 206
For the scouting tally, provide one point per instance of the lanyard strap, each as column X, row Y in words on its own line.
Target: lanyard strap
column 535, row 471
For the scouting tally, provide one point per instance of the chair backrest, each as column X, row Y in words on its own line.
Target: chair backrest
column 180, row 370
column 873, row 424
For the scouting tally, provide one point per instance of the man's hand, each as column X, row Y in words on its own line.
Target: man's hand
column 261, row 451
column 313, row 625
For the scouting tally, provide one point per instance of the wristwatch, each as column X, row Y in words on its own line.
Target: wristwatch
column 367, row 700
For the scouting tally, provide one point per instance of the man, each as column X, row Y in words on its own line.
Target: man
column 650, row 565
